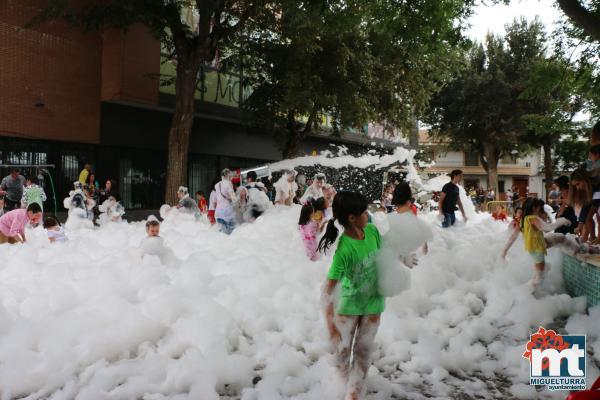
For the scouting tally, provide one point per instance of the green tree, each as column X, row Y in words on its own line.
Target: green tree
column 354, row 62
column 192, row 32
column 571, row 150
column 584, row 15
column 553, row 95
column 481, row 109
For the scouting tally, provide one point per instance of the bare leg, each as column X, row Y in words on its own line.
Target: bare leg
column 538, row 275
column 363, row 346
column 346, row 326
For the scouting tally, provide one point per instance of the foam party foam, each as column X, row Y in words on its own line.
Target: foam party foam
column 202, row 315
column 240, row 316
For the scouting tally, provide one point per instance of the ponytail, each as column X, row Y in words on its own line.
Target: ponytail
column 331, row 234
column 344, row 204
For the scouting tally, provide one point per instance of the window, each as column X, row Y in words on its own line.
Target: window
column 508, row 159
column 500, row 186
column 471, row 159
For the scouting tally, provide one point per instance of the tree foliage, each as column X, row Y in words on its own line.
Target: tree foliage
column 191, row 31
column 355, row 62
column 571, row 150
column 481, row 110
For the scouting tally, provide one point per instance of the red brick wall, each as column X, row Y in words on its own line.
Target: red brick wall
column 54, row 66
column 130, row 66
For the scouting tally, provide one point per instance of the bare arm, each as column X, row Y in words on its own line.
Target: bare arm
column 441, row 202
column 329, row 309
column 511, row 240
column 545, row 227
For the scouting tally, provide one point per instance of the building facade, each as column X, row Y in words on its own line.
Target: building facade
column 67, row 98
column 522, row 173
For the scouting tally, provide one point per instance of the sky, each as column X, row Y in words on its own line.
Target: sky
column 493, row 18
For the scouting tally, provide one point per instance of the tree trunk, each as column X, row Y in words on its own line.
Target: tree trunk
column 181, row 128
column 492, row 158
column 582, row 17
column 413, row 139
column 548, row 167
column 296, row 135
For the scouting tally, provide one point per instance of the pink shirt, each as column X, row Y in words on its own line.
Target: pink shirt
column 13, row 222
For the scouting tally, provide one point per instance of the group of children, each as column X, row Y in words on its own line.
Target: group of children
column 574, row 229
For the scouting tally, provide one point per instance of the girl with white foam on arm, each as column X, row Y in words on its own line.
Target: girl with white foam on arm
column 567, row 242
column 354, row 323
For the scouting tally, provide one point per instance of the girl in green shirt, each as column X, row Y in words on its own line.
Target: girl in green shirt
column 356, row 318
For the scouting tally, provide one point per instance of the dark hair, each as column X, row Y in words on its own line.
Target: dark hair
column 252, row 175
column 562, row 182
column 152, row 222
column 344, row 205
column 528, row 207
column 34, row 208
column 580, row 197
column 306, row 213
column 456, row 172
column 200, row 192
column 32, row 179
column 595, row 149
column 402, row 194
column 15, row 169
column 516, row 210
column 318, row 204
column 50, row 222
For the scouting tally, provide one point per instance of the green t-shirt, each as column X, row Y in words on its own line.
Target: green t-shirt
column 354, row 265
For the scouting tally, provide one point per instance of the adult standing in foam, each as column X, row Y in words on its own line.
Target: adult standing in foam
column 253, row 198
column 315, row 190
column 33, row 193
column 12, row 224
column 85, row 172
column 286, row 188
column 106, row 192
column 225, row 213
column 11, row 188
column 564, row 208
column 186, row 203
column 449, row 198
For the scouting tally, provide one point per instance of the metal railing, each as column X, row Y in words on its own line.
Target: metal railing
column 490, row 204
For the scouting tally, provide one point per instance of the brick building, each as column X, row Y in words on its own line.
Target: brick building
column 67, row 98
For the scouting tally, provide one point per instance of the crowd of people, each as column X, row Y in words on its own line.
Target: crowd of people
column 21, row 197
column 569, row 220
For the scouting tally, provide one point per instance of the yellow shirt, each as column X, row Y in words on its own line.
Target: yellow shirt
column 83, row 176
column 533, row 237
column 317, row 216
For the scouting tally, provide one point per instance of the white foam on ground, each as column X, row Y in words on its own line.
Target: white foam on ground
column 92, row 319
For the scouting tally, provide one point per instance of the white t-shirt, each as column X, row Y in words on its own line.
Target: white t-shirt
column 224, row 210
column 313, row 192
column 57, row 235
column 212, row 201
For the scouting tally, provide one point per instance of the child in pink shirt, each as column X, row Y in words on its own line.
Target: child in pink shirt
column 12, row 224
column 311, row 223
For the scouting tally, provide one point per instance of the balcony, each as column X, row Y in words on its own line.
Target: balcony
column 518, row 168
